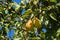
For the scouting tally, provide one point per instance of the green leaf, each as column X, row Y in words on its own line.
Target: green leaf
column 36, row 1
column 53, row 16
column 1, row 8
column 52, row 0
column 58, row 4
column 58, row 32
column 17, row 7
column 43, row 35
column 27, row 13
column 6, row 29
column 44, row 8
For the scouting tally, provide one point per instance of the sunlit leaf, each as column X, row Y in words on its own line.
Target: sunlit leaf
column 53, row 16
column 58, row 4
column 36, row 22
column 52, row 0
column 35, row 1
column 27, row 13
column 44, row 8
column 17, row 7
column 46, row 22
column 58, row 32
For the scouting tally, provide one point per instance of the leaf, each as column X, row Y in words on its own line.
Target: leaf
column 17, row 38
column 1, row 8
column 58, row 32
column 58, row 4
column 52, row 0
column 43, row 35
column 53, row 16
column 36, row 1
column 44, row 8
column 36, row 38
column 6, row 29
column 27, row 1
column 10, row 5
column 27, row 13
column 6, row 11
column 17, row 7
column 36, row 22
column 6, row 25
column 46, row 22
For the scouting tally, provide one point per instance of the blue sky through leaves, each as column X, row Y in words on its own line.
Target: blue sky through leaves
column 17, row 1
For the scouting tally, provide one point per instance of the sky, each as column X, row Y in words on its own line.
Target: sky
column 17, row 1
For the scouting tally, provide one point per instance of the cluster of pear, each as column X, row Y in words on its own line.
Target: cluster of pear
column 35, row 22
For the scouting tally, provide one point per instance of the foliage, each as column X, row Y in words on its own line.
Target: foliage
column 39, row 14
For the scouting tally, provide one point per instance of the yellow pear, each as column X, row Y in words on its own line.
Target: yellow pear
column 29, row 24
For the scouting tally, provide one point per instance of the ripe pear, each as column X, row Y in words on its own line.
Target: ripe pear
column 29, row 24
